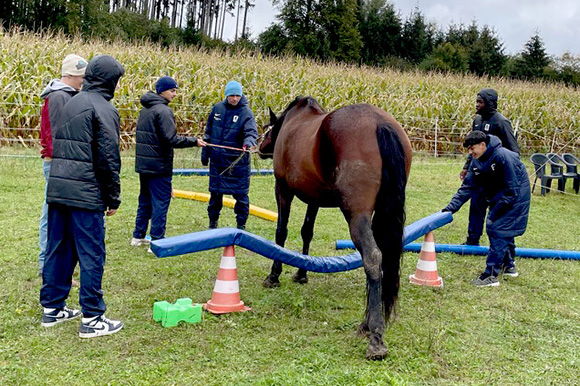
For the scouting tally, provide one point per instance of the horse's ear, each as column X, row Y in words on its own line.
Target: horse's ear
column 273, row 117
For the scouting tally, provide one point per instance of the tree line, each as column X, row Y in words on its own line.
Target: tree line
column 369, row 32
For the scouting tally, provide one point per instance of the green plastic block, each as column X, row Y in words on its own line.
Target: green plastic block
column 171, row 314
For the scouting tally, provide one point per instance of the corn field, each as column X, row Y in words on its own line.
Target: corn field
column 436, row 109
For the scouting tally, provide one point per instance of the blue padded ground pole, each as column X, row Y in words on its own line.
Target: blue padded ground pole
column 205, row 172
column 223, row 237
column 482, row 250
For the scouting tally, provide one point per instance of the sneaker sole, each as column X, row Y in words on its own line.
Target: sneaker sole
column 99, row 333
column 50, row 324
column 487, row 285
column 511, row 274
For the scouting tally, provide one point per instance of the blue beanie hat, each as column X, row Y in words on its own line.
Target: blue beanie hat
column 165, row 83
column 233, row 88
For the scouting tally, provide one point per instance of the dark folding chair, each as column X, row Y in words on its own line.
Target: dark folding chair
column 572, row 171
column 557, row 168
column 540, row 161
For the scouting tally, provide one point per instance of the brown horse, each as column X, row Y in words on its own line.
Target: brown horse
column 356, row 158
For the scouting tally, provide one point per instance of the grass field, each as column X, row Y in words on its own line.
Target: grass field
column 525, row 332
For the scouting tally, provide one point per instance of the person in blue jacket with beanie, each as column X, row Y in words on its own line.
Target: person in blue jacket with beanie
column 502, row 176
column 156, row 139
column 231, row 123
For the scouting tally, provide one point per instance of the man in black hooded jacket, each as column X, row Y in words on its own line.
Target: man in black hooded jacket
column 156, row 139
column 489, row 121
column 83, row 186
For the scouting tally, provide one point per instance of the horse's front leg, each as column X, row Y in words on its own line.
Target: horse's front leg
column 301, row 276
column 374, row 323
column 284, row 200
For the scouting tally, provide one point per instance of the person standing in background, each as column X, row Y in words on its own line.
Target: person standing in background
column 55, row 95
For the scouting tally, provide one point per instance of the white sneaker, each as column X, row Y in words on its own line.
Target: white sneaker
column 57, row 316
column 99, row 326
column 138, row 242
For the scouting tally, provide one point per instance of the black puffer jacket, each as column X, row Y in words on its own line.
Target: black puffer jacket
column 86, row 160
column 156, row 136
column 491, row 122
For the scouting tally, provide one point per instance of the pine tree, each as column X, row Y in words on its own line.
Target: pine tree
column 380, row 30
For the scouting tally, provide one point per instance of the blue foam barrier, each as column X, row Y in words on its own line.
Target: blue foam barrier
column 414, row 231
column 223, row 237
column 205, row 172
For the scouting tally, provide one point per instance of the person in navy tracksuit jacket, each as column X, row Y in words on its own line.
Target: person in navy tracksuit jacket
column 490, row 121
column 503, row 178
column 231, row 123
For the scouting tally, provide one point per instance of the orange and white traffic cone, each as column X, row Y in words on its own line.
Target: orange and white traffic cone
column 426, row 273
column 226, row 292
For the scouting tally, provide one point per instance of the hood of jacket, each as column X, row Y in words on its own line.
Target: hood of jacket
column 243, row 102
column 56, row 85
column 489, row 97
column 150, row 99
column 102, row 75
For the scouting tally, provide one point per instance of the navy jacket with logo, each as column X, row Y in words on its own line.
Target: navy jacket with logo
column 504, row 179
column 232, row 126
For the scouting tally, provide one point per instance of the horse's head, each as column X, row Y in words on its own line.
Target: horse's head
column 271, row 130
column 266, row 149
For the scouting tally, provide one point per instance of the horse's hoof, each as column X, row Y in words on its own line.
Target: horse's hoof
column 363, row 330
column 377, row 352
column 271, row 282
column 300, row 279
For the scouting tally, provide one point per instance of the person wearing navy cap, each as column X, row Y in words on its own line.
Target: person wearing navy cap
column 156, row 139
column 231, row 123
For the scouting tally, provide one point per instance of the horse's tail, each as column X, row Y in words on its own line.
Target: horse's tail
column 389, row 217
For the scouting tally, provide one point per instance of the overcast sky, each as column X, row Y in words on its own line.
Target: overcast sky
column 515, row 21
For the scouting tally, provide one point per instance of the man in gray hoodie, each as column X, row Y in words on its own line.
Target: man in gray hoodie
column 55, row 96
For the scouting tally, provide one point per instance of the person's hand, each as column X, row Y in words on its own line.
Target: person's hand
column 172, row 193
column 110, row 212
column 245, row 147
column 201, row 142
column 462, row 174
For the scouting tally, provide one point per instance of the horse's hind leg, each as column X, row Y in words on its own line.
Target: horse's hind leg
column 301, row 276
column 284, row 199
column 374, row 323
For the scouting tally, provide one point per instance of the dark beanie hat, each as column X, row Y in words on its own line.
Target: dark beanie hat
column 165, row 83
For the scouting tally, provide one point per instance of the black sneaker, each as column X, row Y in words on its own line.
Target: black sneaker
column 57, row 316
column 511, row 271
column 99, row 326
column 242, row 227
column 475, row 243
column 213, row 224
column 485, row 280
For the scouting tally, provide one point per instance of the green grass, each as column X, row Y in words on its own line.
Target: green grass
column 525, row 332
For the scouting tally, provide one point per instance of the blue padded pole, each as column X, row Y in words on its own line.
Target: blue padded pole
column 223, row 237
column 482, row 250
